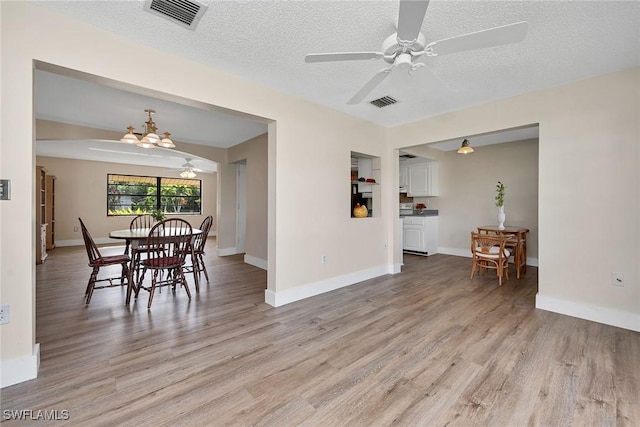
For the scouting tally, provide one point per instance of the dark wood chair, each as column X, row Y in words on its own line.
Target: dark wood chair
column 197, row 265
column 170, row 241
column 489, row 253
column 97, row 261
column 140, row 222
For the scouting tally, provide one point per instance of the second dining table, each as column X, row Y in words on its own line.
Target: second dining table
column 133, row 239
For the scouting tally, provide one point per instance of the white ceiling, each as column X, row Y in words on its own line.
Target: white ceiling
column 266, row 41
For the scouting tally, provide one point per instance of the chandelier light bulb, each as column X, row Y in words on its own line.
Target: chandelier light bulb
column 130, row 138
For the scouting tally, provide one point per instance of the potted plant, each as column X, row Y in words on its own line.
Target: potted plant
column 158, row 215
column 500, row 190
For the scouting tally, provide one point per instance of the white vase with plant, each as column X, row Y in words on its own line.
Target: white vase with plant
column 500, row 187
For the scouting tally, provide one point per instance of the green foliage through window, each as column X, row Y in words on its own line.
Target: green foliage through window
column 135, row 195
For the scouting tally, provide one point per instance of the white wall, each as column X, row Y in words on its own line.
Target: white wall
column 309, row 164
column 589, row 188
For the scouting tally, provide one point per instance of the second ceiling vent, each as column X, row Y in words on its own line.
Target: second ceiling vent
column 384, row 101
column 185, row 13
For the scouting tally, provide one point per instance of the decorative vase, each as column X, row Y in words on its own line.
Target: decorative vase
column 360, row 211
column 501, row 217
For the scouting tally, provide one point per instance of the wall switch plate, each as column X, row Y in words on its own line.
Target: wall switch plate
column 5, row 189
column 617, row 279
column 4, row 314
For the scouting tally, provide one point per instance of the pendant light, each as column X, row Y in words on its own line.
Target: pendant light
column 465, row 148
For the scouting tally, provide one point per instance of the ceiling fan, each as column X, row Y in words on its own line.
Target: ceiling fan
column 188, row 170
column 402, row 48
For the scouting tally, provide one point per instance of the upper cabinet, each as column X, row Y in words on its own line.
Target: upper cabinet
column 404, row 178
column 420, row 178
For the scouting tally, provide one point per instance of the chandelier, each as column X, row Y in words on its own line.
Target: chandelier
column 149, row 138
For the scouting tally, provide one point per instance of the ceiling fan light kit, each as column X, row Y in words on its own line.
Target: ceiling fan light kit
column 188, row 171
column 149, row 137
column 402, row 48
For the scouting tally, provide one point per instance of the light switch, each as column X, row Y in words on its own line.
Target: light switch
column 5, row 189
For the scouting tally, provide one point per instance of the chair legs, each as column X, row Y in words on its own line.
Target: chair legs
column 174, row 276
column 93, row 279
column 483, row 265
column 200, row 259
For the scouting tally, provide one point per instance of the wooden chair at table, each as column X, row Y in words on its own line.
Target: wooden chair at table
column 489, row 253
column 516, row 245
column 140, row 222
column 197, row 254
column 97, row 261
column 171, row 241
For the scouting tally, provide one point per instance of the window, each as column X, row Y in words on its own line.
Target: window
column 134, row 195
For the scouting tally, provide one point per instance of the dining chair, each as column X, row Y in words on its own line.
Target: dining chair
column 489, row 253
column 170, row 242
column 97, row 261
column 197, row 253
column 140, row 222
column 516, row 245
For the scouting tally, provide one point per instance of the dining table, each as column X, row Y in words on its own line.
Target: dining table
column 517, row 235
column 133, row 239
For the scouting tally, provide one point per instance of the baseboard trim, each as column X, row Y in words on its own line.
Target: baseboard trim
column 594, row 313
column 287, row 296
column 533, row 262
column 226, row 251
column 20, row 370
column 256, row 262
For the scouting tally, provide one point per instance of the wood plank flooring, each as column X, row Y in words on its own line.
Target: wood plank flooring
column 427, row 347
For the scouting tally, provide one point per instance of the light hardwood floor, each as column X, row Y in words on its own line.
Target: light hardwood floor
column 426, row 347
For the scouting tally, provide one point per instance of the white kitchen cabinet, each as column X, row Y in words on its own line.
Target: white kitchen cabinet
column 420, row 234
column 422, row 179
column 404, row 178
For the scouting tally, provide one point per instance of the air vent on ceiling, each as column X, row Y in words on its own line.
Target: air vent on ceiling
column 186, row 13
column 383, row 102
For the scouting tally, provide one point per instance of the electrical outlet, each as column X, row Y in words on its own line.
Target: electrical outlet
column 324, row 259
column 617, row 279
column 4, row 314
column 75, row 229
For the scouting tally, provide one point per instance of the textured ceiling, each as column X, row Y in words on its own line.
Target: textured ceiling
column 266, row 41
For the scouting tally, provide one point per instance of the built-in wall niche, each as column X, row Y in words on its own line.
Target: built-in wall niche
column 365, row 183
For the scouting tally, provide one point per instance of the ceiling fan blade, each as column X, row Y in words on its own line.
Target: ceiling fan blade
column 371, row 84
column 342, row 56
column 506, row 34
column 410, row 18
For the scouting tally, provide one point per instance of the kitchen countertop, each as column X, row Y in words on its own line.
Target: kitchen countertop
column 423, row 212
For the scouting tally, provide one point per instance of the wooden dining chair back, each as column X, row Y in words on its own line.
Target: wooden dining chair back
column 169, row 242
column 140, row 222
column 197, row 255
column 489, row 253
column 97, row 261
